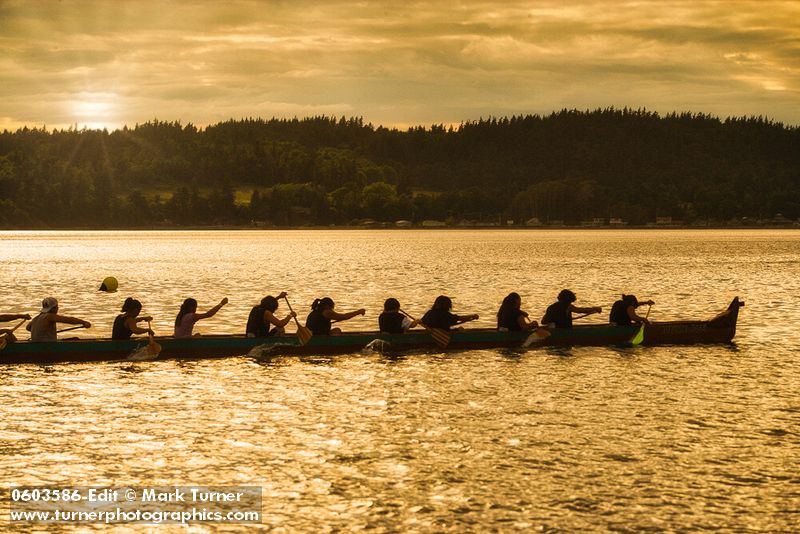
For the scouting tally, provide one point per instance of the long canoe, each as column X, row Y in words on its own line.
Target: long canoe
column 720, row 329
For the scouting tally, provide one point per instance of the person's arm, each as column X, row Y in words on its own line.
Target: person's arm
column 212, row 312
column 146, row 319
column 523, row 322
column 7, row 318
column 591, row 309
column 269, row 318
column 635, row 317
column 55, row 318
column 408, row 324
column 130, row 322
column 336, row 316
column 466, row 318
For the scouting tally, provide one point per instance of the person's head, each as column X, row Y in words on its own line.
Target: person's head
column 630, row 300
column 323, row 304
column 567, row 296
column 188, row 306
column 49, row 305
column 512, row 301
column 442, row 303
column 132, row 307
column 269, row 303
column 391, row 305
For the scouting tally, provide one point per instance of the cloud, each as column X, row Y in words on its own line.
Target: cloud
column 393, row 62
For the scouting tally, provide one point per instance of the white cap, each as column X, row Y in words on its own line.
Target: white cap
column 48, row 304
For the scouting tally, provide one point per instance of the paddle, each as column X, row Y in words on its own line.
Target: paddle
column 71, row 328
column 441, row 337
column 639, row 337
column 149, row 351
column 152, row 347
column 4, row 335
column 576, row 317
column 541, row 333
column 303, row 333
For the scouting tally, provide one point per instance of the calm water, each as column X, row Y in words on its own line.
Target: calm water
column 590, row 438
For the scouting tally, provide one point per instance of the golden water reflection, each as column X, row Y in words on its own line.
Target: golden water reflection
column 684, row 438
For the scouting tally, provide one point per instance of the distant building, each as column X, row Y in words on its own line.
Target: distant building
column 780, row 220
column 617, row 221
column 533, row 221
column 667, row 222
column 403, row 224
column 430, row 223
column 596, row 221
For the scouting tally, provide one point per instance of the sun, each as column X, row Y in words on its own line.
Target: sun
column 94, row 110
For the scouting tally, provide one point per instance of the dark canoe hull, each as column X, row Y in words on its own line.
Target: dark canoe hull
column 721, row 329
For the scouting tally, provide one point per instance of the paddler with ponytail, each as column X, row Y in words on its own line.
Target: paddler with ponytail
column 125, row 323
column 323, row 314
column 262, row 321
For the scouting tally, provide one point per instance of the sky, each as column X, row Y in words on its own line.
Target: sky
column 105, row 64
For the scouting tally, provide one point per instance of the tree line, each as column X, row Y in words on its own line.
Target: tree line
column 568, row 166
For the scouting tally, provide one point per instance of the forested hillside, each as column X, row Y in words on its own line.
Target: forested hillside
column 570, row 166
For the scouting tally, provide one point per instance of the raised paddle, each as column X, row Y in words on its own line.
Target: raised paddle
column 441, row 337
column 303, row 333
column 639, row 337
column 4, row 335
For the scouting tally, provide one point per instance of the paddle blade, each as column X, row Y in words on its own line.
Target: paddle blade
column 537, row 336
column 148, row 352
column 440, row 337
column 145, row 353
column 639, row 337
column 153, row 348
column 304, row 335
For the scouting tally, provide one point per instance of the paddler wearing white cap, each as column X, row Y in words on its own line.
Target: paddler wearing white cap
column 43, row 326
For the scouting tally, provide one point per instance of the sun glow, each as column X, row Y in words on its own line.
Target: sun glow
column 95, row 110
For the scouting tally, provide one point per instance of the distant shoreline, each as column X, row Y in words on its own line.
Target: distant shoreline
column 795, row 226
